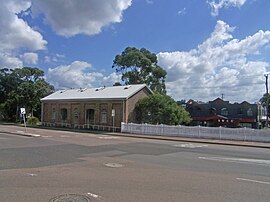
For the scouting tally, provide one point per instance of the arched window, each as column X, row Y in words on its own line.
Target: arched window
column 103, row 116
column 76, row 115
column 249, row 112
column 53, row 114
column 224, row 112
column 63, row 112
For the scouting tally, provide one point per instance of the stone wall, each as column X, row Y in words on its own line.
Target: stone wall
column 76, row 112
column 131, row 103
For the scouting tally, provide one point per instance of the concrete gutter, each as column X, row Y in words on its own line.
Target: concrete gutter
column 20, row 134
column 196, row 140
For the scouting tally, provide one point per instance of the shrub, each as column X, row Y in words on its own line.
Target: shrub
column 33, row 121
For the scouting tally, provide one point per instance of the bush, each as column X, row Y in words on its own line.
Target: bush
column 160, row 109
column 32, row 121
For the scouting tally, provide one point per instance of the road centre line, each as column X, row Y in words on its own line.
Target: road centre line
column 256, row 181
column 239, row 160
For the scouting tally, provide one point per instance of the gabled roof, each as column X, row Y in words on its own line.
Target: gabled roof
column 114, row 92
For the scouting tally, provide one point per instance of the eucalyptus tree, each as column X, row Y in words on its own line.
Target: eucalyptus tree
column 139, row 66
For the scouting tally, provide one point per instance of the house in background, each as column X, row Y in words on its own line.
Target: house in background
column 97, row 108
column 222, row 113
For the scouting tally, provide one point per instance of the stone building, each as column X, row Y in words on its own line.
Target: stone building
column 96, row 108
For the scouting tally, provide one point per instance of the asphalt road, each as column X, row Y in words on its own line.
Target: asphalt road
column 122, row 169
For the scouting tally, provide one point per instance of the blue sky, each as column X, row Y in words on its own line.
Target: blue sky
column 207, row 47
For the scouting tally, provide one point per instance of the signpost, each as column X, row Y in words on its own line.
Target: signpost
column 113, row 115
column 23, row 115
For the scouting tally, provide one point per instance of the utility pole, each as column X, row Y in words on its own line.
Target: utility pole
column 267, row 98
column 222, row 96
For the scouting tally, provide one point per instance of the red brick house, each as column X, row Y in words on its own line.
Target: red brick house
column 222, row 113
column 96, row 108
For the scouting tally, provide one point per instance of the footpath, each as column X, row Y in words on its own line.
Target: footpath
column 36, row 132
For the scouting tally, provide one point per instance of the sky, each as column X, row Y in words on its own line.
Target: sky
column 207, row 47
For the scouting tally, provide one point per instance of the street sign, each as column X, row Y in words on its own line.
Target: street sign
column 113, row 115
column 23, row 114
column 22, row 110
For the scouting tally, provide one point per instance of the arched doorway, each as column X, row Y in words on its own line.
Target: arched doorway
column 90, row 117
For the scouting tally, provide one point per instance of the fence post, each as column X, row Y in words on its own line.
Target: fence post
column 131, row 127
column 122, row 127
column 142, row 128
column 245, row 136
column 219, row 132
column 199, row 131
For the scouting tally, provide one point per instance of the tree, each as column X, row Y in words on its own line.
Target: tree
column 140, row 66
column 22, row 88
column 263, row 100
column 181, row 102
column 117, row 84
column 8, row 82
column 160, row 109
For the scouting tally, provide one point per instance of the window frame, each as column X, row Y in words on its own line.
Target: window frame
column 103, row 116
column 64, row 114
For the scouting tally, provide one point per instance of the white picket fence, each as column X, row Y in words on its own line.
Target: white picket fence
column 220, row 133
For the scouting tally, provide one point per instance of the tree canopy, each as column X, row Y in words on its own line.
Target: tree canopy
column 263, row 100
column 22, row 88
column 160, row 109
column 140, row 66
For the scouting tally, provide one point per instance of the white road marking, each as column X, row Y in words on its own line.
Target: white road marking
column 239, row 160
column 107, row 137
column 114, row 165
column 31, row 174
column 23, row 132
column 93, row 195
column 46, row 136
column 34, row 135
column 64, row 136
column 256, row 181
column 192, row 146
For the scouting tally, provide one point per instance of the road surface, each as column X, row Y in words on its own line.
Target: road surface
column 122, row 169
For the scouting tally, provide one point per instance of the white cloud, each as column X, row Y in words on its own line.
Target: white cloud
column 216, row 5
column 79, row 74
column 149, row 1
column 54, row 58
column 30, row 58
column 69, row 17
column 9, row 61
column 182, row 12
column 221, row 64
column 15, row 33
